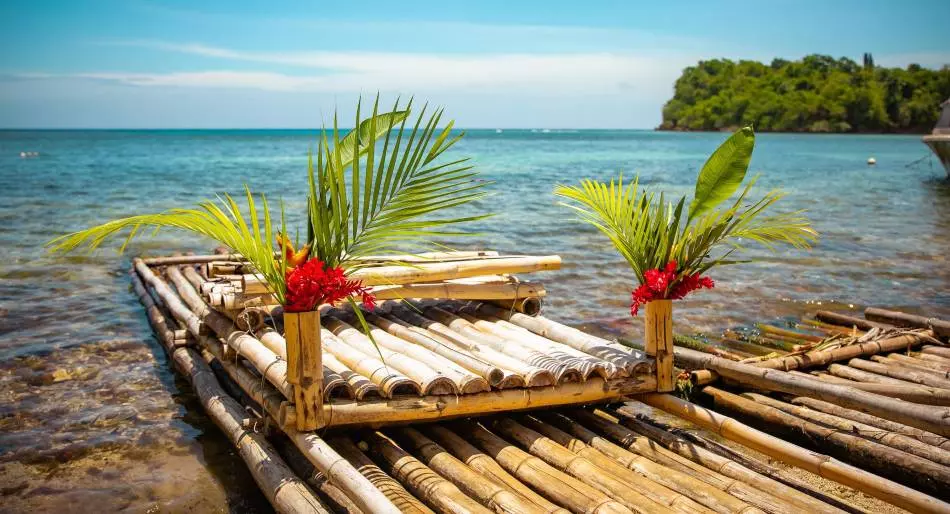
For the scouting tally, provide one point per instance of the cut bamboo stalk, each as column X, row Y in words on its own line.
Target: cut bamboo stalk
column 764, row 481
column 488, row 493
column 482, row 463
column 529, row 305
column 823, row 357
column 658, row 331
column 341, row 473
column 428, row 408
column 554, row 484
column 283, row 489
column 394, row 491
column 843, row 371
column 302, row 334
column 872, row 433
column 431, row 272
column 945, row 361
column 178, row 309
column 899, row 372
column 660, row 484
column 900, row 466
column 390, row 384
column 533, row 376
column 926, row 418
column 574, row 465
column 836, row 318
column 938, row 367
column 334, row 385
column 941, row 351
column 911, row 393
column 631, row 363
column 440, row 494
column 561, row 371
column 360, row 387
column 431, row 381
column 911, row 365
column 821, row 465
column 902, row 319
column 885, row 424
column 491, row 373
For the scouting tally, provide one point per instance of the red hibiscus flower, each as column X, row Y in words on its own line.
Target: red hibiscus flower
column 666, row 285
column 313, row 284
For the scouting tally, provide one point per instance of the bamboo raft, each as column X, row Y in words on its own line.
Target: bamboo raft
column 475, row 403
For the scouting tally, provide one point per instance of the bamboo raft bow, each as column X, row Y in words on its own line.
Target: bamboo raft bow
column 433, row 354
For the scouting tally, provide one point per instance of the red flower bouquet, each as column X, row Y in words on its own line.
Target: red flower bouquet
column 666, row 285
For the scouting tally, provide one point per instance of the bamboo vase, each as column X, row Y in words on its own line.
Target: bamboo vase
column 305, row 367
column 658, row 331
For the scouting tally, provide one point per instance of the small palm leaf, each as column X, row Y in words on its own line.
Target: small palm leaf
column 723, row 172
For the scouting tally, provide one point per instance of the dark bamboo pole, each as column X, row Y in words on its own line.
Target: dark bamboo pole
column 902, row 319
column 836, row 318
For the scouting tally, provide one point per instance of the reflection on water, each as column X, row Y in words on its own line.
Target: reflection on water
column 91, row 415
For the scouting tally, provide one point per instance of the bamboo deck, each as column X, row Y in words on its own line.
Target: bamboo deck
column 567, row 432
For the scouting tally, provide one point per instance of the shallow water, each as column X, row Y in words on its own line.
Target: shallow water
column 92, row 416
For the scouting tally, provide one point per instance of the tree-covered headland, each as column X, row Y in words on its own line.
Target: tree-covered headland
column 816, row 94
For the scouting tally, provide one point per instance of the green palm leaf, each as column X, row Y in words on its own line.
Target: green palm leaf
column 723, row 172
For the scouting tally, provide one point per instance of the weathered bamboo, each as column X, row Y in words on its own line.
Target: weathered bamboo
column 427, row 408
column 283, row 489
column 431, row 381
column 334, row 385
column 902, row 319
column 460, row 291
column 394, row 491
column 761, row 486
column 895, row 370
column 823, row 357
column 938, row 367
column 477, row 460
column 360, row 387
column 659, row 483
column 190, row 259
column 390, row 383
column 796, row 336
column 453, row 255
column 585, row 363
column 561, row 371
column 554, row 484
column 431, row 272
column 941, row 351
column 872, row 433
column 491, row 373
column 332, row 496
column 945, row 361
column 845, row 371
column 529, row 305
column 934, row 420
column 341, row 473
column 885, row 424
column 170, row 300
column 631, row 363
column 487, row 492
column 836, row 318
column 821, row 465
column 440, row 494
column 911, row 393
column 465, row 382
column 658, row 332
column 902, row 467
column 532, row 375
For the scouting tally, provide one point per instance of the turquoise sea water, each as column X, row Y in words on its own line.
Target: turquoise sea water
column 118, row 430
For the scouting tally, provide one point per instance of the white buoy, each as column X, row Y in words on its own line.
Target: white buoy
column 872, row 161
column 23, row 155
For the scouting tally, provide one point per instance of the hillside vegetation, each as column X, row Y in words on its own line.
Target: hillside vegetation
column 816, row 94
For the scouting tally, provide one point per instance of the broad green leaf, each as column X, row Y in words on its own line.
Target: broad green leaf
column 723, row 172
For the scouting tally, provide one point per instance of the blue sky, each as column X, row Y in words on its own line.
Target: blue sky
column 551, row 64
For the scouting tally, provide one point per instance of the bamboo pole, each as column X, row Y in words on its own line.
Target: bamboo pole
column 190, row 259
column 431, row 272
column 844, row 371
column 938, row 367
column 795, row 336
column 429, row 408
column 391, row 488
column 461, row 291
column 775, row 380
column 390, row 383
column 559, row 487
column 902, row 319
column 466, row 382
column 911, row 365
column 750, row 484
column 885, row 424
column 668, row 487
column 529, row 306
column 302, row 334
column 941, row 351
column 821, row 465
column 440, row 494
column 283, row 489
column 488, row 493
column 869, row 432
column 482, row 463
column 910, row 393
column 658, row 331
column 902, row 467
column 944, row 361
column 836, row 318
column 430, row 381
column 895, row 370
column 334, row 385
column 491, row 373
column 631, row 363
column 823, row 357
column 236, row 257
